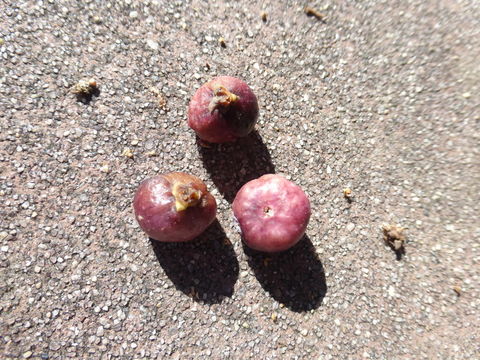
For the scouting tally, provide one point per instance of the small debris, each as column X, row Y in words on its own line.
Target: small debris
column 350, row 226
column 151, row 153
column 312, row 12
column 263, row 14
column 152, row 44
column 266, row 261
column 450, row 227
column 85, row 87
column 274, row 317
column 97, row 20
column 347, row 193
column 128, row 153
column 105, row 168
column 467, row 95
column 204, row 144
column 161, row 101
column 193, row 293
column 457, row 290
column 2, row 41
column 394, row 236
column 222, row 43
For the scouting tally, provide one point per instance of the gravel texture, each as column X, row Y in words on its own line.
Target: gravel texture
column 379, row 96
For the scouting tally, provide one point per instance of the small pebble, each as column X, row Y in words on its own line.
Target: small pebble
column 127, row 152
column 274, row 317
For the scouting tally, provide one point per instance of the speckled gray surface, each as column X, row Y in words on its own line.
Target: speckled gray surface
column 382, row 97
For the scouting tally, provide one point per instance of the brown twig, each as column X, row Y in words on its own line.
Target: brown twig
column 313, row 12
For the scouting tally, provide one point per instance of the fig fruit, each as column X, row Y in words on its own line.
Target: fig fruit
column 223, row 110
column 272, row 212
column 174, row 207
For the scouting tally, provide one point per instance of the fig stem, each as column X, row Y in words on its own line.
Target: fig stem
column 222, row 98
column 185, row 196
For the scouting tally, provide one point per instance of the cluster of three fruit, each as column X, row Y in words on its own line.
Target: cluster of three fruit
column 272, row 212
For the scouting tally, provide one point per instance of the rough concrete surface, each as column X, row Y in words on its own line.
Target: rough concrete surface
column 378, row 96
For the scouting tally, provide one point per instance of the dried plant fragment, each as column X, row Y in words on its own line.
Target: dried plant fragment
column 161, row 101
column 313, row 12
column 85, row 87
column 394, row 236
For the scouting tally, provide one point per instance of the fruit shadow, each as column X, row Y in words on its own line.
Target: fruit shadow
column 205, row 269
column 294, row 277
column 231, row 165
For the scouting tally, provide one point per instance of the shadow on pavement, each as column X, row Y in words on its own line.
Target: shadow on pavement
column 86, row 98
column 231, row 165
column 295, row 277
column 205, row 269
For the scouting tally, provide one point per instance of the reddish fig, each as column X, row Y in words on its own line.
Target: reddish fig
column 273, row 213
column 174, row 207
column 223, row 110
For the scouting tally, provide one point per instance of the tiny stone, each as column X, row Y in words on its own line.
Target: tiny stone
column 127, row 153
column 152, row 44
column 100, row 331
column 274, row 317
